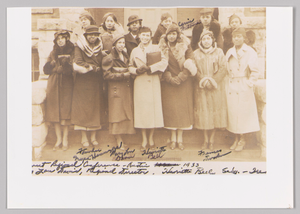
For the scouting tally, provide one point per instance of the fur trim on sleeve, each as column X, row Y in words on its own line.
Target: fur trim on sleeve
column 190, row 65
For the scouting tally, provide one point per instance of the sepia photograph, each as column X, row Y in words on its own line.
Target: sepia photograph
column 108, row 100
column 149, row 84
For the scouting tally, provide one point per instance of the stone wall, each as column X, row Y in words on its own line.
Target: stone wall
column 45, row 22
column 252, row 19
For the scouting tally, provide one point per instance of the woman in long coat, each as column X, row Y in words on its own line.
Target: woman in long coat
column 87, row 103
column 120, row 99
column 210, row 96
column 147, row 92
column 177, row 87
column 60, row 86
column 242, row 63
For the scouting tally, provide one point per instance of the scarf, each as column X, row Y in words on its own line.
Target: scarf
column 84, row 46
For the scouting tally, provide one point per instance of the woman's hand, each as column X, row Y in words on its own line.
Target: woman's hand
column 59, row 69
column 209, row 86
column 175, row 81
column 53, row 63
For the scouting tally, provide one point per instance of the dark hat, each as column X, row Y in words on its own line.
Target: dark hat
column 206, row 32
column 92, row 29
column 89, row 16
column 133, row 18
column 233, row 17
column 65, row 33
column 165, row 16
column 206, row 10
column 145, row 29
column 117, row 38
column 240, row 30
column 173, row 27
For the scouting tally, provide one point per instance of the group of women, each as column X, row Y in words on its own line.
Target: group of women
column 161, row 81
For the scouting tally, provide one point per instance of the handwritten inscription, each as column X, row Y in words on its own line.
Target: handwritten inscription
column 188, row 24
column 84, row 154
column 155, row 154
column 212, row 155
column 86, row 167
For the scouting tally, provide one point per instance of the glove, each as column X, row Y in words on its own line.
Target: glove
column 65, row 60
column 167, row 76
column 175, row 81
column 59, row 69
column 140, row 70
column 52, row 63
column 96, row 68
column 148, row 70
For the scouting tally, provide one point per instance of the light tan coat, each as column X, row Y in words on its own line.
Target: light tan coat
column 242, row 72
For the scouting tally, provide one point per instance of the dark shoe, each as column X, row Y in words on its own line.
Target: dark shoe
column 180, row 146
column 173, row 145
column 205, row 145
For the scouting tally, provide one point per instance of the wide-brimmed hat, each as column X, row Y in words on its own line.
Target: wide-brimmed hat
column 92, row 29
column 206, row 10
column 240, row 30
column 233, row 17
column 173, row 27
column 133, row 18
column 117, row 38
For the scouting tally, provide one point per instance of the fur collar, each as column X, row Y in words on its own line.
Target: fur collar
column 178, row 51
column 67, row 49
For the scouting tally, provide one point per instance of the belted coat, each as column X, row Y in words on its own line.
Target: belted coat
column 243, row 71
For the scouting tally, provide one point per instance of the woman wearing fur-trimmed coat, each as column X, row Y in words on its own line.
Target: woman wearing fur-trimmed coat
column 210, row 95
column 177, row 87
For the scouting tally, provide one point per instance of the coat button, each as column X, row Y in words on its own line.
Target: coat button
column 238, row 81
column 229, row 92
column 237, row 93
column 149, row 80
column 230, row 81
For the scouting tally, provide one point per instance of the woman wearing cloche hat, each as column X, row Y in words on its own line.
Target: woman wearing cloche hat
column 132, row 39
column 87, row 105
column 242, row 64
column 60, row 86
column 120, row 100
column 177, row 87
column 210, row 109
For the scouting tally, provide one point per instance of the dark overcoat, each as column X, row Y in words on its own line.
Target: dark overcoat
column 177, row 100
column 59, row 85
column 120, row 99
column 87, row 103
column 131, row 43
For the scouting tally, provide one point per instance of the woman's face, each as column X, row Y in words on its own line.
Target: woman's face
column 167, row 22
column 92, row 38
column 61, row 41
column 120, row 44
column 238, row 39
column 207, row 41
column 109, row 23
column 235, row 23
column 134, row 26
column 85, row 22
column 205, row 19
column 145, row 37
column 172, row 36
